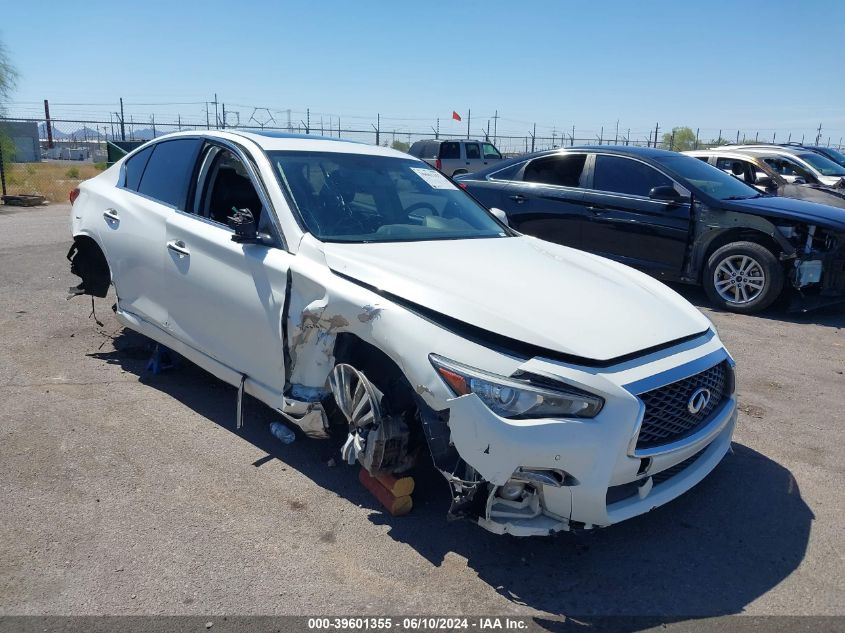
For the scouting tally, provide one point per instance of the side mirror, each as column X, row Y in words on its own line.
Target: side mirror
column 243, row 223
column 799, row 181
column 501, row 216
column 666, row 193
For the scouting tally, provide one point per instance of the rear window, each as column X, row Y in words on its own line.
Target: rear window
column 134, row 168
column 450, row 149
column 564, row 171
column 169, row 171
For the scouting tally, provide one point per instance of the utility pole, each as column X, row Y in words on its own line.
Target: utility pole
column 672, row 142
column 774, row 136
column 49, row 125
column 437, row 131
column 153, row 119
column 207, row 122
column 737, row 137
column 487, row 133
column 179, row 121
column 469, row 118
column 697, row 130
column 122, row 125
column 377, row 128
column 656, row 128
column 111, row 125
column 224, row 116
column 572, row 138
column 601, row 135
column 495, row 121
column 533, row 135
column 616, row 137
column 819, row 135
column 216, row 114
column 308, row 120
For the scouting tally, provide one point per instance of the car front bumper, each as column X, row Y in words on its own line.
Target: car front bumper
column 602, row 477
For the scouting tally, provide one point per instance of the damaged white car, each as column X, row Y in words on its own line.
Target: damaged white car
column 555, row 390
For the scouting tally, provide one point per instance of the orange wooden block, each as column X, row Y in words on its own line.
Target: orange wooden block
column 398, row 486
column 397, row 506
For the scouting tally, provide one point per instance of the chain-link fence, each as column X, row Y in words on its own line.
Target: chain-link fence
column 49, row 158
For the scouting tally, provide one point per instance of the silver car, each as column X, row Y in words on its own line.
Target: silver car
column 456, row 157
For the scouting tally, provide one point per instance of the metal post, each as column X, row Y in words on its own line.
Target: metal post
column 224, row 116
column 437, row 131
column 216, row 114
column 49, row 124
column 672, row 142
column 122, row 125
column 469, row 118
column 616, row 136
column 533, row 137
column 697, row 130
column 207, row 121
column 2, row 171
column 819, row 135
column 737, row 137
column 153, row 119
column 774, row 136
column 308, row 120
column 601, row 135
column 495, row 121
column 572, row 138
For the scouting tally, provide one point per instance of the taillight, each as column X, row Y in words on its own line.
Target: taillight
column 438, row 165
column 462, row 185
column 73, row 195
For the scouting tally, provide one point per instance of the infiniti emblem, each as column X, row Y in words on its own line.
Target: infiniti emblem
column 698, row 400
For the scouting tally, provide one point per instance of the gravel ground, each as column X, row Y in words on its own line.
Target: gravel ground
column 122, row 492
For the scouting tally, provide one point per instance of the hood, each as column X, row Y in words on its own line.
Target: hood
column 538, row 293
column 790, row 209
column 814, row 193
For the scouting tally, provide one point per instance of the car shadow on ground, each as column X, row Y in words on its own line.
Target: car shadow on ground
column 711, row 552
column 828, row 316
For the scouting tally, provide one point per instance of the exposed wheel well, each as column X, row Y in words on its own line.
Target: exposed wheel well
column 738, row 235
column 88, row 262
column 378, row 367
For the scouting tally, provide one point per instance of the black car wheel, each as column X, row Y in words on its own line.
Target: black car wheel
column 743, row 277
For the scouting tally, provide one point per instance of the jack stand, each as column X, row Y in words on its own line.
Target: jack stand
column 161, row 360
column 239, row 422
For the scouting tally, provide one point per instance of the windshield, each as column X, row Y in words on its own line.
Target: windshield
column 712, row 181
column 823, row 164
column 834, row 155
column 360, row 198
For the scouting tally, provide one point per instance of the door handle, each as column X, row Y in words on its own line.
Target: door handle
column 518, row 198
column 111, row 215
column 178, row 246
column 597, row 210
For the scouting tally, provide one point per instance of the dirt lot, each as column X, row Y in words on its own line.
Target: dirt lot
column 52, row 179
column 128, row 493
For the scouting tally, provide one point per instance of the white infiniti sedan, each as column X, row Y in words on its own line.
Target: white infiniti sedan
column 554, row 389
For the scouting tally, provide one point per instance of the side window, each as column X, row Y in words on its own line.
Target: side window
column 169, row 171
column 739, row 168
column 490, row 151
column 450, row 149
column 227, row 188
column 563, row 170
column 788, row 168
column 134, row 168
column 623, row 175
column 473, row 151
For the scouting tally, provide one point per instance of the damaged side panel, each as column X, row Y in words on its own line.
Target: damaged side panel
column 88, row 262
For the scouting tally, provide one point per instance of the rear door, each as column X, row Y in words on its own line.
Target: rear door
column 544, row 198
column 154, row 183
column 473, row 161
column 225, row 298
column 623, row 223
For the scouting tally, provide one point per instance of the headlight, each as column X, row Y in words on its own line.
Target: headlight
column 512, row 398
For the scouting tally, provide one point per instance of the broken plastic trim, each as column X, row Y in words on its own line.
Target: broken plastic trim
column 504, row 344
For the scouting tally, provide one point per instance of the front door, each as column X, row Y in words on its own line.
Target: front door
column 623, row 223
column 225, row 299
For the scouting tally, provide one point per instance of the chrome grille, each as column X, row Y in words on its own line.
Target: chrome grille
column 667, row 417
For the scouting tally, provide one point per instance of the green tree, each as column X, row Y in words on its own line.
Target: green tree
column 399, row 145
column 8, row 80
column 684, row 139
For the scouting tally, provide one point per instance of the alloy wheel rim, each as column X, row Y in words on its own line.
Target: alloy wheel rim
column 355, row 396
column 739, row 279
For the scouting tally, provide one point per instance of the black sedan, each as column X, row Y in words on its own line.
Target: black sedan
column 675, row 217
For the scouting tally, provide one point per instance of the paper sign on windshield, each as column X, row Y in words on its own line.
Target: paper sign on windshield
column 433, row 178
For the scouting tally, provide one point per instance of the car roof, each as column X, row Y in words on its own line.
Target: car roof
column 272, row 140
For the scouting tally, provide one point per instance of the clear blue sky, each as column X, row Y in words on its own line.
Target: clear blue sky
column 757, row 66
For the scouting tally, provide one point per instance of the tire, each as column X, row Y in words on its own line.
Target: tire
column 743, row 277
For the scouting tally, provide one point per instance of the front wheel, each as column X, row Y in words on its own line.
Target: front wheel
column 743, row 277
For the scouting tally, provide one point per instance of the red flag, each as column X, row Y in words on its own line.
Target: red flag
column 456, row 116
